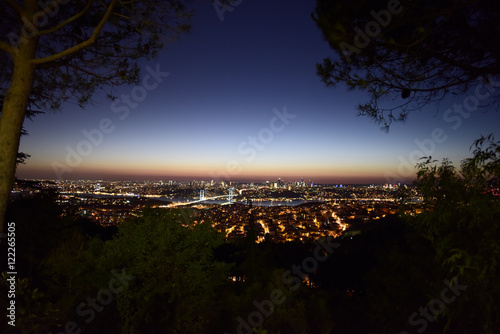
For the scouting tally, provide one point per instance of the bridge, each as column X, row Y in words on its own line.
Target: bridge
column 230, row 198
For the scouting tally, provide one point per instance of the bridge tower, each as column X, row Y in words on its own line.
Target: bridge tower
column 231, row 195
column 202, row 194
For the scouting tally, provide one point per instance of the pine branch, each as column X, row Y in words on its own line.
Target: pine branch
column 68, row 21
column 8, row 48
column 81, row 45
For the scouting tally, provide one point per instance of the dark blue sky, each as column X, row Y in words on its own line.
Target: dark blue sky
column 222, row 111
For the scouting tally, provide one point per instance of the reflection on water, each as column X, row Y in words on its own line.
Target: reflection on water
column 255, row 202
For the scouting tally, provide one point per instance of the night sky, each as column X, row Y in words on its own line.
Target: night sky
column 215, row 114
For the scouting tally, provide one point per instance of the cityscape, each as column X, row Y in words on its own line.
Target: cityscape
column 283, row 211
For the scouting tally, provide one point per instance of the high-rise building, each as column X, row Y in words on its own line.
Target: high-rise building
column 281, row 183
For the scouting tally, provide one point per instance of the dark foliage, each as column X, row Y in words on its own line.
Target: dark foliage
column 410, row 53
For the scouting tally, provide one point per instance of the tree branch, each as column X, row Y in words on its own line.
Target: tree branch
column 71, row 19
column 82, row 45
column 77, row 68
column 8, row 48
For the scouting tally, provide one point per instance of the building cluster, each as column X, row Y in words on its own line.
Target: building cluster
column 293, row 223
column 277, row 211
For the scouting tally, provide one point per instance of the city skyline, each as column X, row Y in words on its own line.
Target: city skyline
column 238, row 98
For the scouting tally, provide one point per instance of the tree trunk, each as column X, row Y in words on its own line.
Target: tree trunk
column 12, row 118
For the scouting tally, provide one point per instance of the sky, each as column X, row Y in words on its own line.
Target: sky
column 238, row 99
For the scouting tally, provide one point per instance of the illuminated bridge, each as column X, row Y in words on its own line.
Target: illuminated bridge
column 230, row 198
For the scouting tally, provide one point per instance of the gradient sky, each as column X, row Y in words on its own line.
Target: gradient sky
column 227, row 80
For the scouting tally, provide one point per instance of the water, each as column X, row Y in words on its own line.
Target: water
column 254, row 202
column 267, row 203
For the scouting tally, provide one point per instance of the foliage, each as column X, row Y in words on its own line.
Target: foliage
column 176, row 279
column 52, row 274
column 372, row 282
column 407, row 54
column 462, row 220
column 39, row 229
column 34, row 314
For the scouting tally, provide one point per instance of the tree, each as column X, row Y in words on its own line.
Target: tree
column 462, row 222
column 55, row 51
column 409, row 53
column 30, row 114
column 176, row 281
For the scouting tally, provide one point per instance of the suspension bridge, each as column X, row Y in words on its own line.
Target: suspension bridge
column 229, row 196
